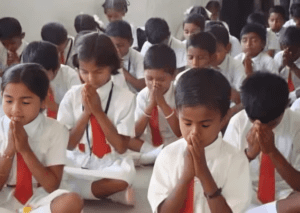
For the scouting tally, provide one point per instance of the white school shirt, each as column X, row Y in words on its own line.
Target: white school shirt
column 233, row 70
column 287, row 137
column 262, row 62
column 272, row 42
column 236, row 47
column 66, row 78
column 1, row 108
column 164, row 127
column 48, row 140
column 178, row 47
column 289, row 23
column 228, row 166
column 296, row 106
column 133, row 62
column 3, row 54
column 285, row 71
column 119, row 79
column 120, row 113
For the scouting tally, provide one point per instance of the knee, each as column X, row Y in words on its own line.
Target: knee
column 69, row 202
column 123, row 185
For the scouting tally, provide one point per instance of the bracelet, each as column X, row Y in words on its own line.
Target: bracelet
column 149, row 116
column 169, row 116
column 214, row 195
column 7, row 157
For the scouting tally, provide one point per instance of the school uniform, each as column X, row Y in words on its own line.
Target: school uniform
column 178, row 47
column 261, row 62
column 233, row 70
column 119, row 79
column 285, row 71
column 48, row 140
column 1, row 108
column 66, row 78
column 287, row 136
column 289, row 23
column 165, row 130
column 121, row 113
column 236, row 47
column 133, row 62
column 279, row 34
column 228, row 166
column 272, row 42
column 68, row 52
column 4, row 52
column 296, row 106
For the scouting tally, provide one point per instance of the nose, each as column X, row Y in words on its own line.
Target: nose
column 16, row 109
column 195, row 62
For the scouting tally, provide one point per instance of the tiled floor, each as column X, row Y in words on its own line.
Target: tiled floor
column 140, row 185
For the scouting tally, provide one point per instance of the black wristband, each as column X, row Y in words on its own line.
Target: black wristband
column 214, row 195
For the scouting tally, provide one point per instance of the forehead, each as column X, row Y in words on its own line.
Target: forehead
column 11, row 40
column 190, row 26
column 18, row 90
column 251, row 35
column 119, row 40
column 276, row 16
column 197, row 51
column 113, row 12
column 156, row 73
column 199, row 113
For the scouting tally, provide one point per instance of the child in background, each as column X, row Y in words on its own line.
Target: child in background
column 156, row 124
column 295, row 14
column 268, row 132
column 192, row 24
column 56, row 34
column 100, row 117
column 85, row 22
column 61, row 77
column 115, row 10
column 288, row 60
column 214, row 7
column 132, row 61
column 276, row 20
column 12, row 39
column 157, row 32
column 200, row 172
column 253, row 40
column 272, row 44
column 32, row 147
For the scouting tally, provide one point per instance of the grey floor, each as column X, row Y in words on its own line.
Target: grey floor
column 140, row 185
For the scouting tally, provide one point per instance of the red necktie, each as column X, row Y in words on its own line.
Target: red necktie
column 23, row 189
column 100, row 147
column 188, row 206
column 290, row 82
column 50, row 113
column 266, row 184
column 62, row 58
column 154, row 125
column 81, row 147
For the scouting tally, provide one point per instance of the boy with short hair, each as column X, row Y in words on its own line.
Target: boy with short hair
column 192, row 24
column 268, row 132
column 121, row 35
column 295, row 14
column 12, row 39
column 253, row 40
column 200, row 172
column 158, row 32
column 156, row 124
column 56, row 33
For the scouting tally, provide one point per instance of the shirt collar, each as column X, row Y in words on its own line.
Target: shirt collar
column 103, row 91
column 224, row 63
column 127, row 56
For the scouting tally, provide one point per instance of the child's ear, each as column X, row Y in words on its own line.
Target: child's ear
column 131, row 41
column 43, row 104
column 228, row 47
column 22, row 35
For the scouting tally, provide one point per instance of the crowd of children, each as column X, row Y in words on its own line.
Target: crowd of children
column 219, row 118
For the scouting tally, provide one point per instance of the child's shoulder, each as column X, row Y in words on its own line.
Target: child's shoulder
column 53, row 125
column 123, row 93
column 177, row 148
column 67, row 69
column 135, row 53
column 240, row 117
column 240, row 57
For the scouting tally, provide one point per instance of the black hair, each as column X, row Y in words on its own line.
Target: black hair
column 119, row 29
column 86, row 22
column 200, row 10
column 43, row 53
column 160, row 56
column 98, row 47
column 213, row 4
column 75, row 61
column 203, row 87
column 278, row 9
column 55, row 33
column 203, row 40
column 295, row 10
column 157, row 30
column 259, row 29
column 265, row 96
column 291, row 37
column 257, row 18
column 195, row 19
column 118, row 5
column 9, row 28
column 221, row 34
column 34, row 77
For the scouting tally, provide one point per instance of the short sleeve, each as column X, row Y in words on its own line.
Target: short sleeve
column 239, row 76
column 271, row 66
column 65, row 111
column 56, row 154
column 139, row 66
column 278, row 59
column 296, row 106
column 273, row 43
column 73, row 78
column 295, row 158
column 232, row 134
column 237, row 188
column 160, row 183
column 140, row 105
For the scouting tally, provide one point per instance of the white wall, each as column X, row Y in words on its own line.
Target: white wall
column 33, row 14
